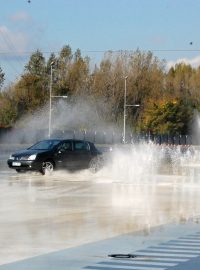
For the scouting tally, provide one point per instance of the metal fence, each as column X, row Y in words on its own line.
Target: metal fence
column 14, row 135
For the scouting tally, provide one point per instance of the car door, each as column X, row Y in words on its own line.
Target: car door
column 82, row 154
column 64, row 155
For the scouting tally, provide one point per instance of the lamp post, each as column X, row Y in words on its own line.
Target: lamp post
column 50, row 97
column 124, row 133
column 126, row 105
column 50, row 91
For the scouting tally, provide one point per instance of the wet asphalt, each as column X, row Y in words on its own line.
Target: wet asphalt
column 79, row 212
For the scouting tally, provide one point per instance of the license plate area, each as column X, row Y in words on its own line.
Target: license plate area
column 16, row 163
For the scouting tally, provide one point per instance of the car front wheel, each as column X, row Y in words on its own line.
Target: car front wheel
column 47, row 167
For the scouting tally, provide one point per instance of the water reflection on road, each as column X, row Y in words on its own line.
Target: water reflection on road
column 39, row 214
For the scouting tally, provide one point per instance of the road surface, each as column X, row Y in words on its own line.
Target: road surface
column 74, row 221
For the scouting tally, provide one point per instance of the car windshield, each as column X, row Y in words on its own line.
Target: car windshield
column 44, row 145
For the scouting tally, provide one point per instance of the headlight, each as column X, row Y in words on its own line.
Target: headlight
column 11, row 157
column 32, row 157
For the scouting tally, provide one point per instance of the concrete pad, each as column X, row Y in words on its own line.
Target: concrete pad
column 95, row 255
column 72, row 221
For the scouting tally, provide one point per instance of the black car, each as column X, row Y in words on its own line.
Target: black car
column 47, row 155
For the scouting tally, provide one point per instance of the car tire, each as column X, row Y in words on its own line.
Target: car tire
column 48, row 167
column 95, row 164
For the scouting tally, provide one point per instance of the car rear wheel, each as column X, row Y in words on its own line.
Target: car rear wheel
column 95, row 164
column 47, row 167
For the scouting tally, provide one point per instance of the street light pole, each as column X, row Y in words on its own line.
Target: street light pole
column 126, row 105
column 50, row 99
column 124, row 133
column 50, row 94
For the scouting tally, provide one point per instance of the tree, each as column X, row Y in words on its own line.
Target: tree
column 78, row 74
column 2, row 77
column 61, row 71
column 8, row 108
column 166, row 98
column 146, row 74
column 145, row 78
column 195, row 87
column 36, row 64
column 167, row 117
column 178, row 80
column 30, row 93
column 52, row 61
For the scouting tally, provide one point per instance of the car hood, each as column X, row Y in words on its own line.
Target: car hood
column 28, row 152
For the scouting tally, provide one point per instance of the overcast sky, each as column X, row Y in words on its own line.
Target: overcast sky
column 170, row 28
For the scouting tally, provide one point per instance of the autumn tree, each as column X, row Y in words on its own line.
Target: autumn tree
column 30, row 93
column 194, row 88
column 2, row 77
column 167, row 117
column 61, row 71
column 145, row 78
column 163, row 95
column 78, row 74
column 52, row 61
column 178, row 80
column 30, row 90
column 36, row 65
column 8, row 108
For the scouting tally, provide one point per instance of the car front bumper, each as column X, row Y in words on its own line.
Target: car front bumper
column 24, row 164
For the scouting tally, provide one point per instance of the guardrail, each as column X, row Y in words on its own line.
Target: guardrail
column 23, row 136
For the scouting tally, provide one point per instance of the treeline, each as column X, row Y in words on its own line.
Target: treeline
column 167, row 99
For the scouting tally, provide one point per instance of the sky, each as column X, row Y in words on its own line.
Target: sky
column 169, row 28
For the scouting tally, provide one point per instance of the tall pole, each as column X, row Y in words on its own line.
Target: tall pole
column 50, row 94
column 124, row 133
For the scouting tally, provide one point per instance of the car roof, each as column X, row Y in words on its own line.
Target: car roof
column 62, row 140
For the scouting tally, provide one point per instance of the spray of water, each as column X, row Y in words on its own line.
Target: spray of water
column 137, row 163
column 133, row 163
column 69, row 206
column 70, row 209
column 146, row 162
column 82, row 114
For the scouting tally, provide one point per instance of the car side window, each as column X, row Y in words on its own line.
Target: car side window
column 81, row 146
column 66, row 146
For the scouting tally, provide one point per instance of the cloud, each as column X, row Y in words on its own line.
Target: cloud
column 158, row 40
column 12, row 42
column 194, row 62
column 20, row 16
